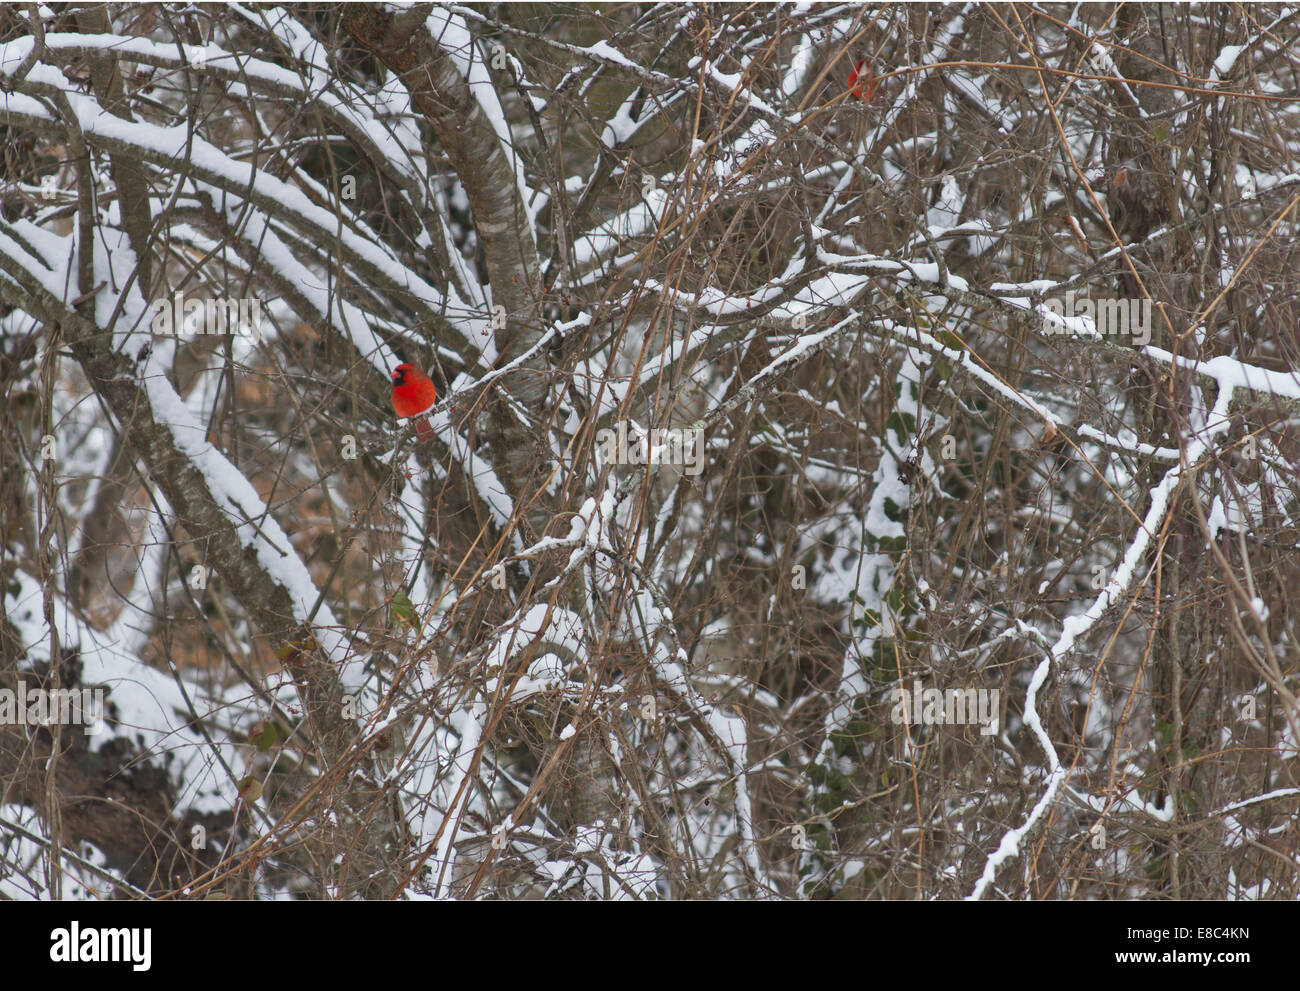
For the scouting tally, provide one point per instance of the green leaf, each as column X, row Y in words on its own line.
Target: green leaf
column 264, row 735
column 894, row 599
column 402, row 610
column 293, row 652
column 902, row 424
column 891, row 545
column 1165, row 734
column 250, row 789
column 870, row 618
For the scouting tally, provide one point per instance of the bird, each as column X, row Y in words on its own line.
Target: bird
column 862, row 82
column 413, row 394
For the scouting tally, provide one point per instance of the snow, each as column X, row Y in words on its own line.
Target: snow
column 793, row 79
column 179, row 143
column 256, row 528
column 560, row 630
column 395, row 145
column 56, row 282
column 732, row 732
column 453, row 37
column 1077, row 625
column 453, row 793
column 732, row 82
column 1227, row 58
column 1011, row 840
column 1256, row 799
column 672, row 360
column 147, row 706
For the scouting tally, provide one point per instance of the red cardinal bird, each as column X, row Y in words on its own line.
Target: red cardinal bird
column 862, row 83
column 413, row 393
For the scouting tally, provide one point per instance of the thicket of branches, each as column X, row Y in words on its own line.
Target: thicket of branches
column 339, row 663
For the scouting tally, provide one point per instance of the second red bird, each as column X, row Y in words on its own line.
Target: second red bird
column 862, row 82
column 413, row 394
